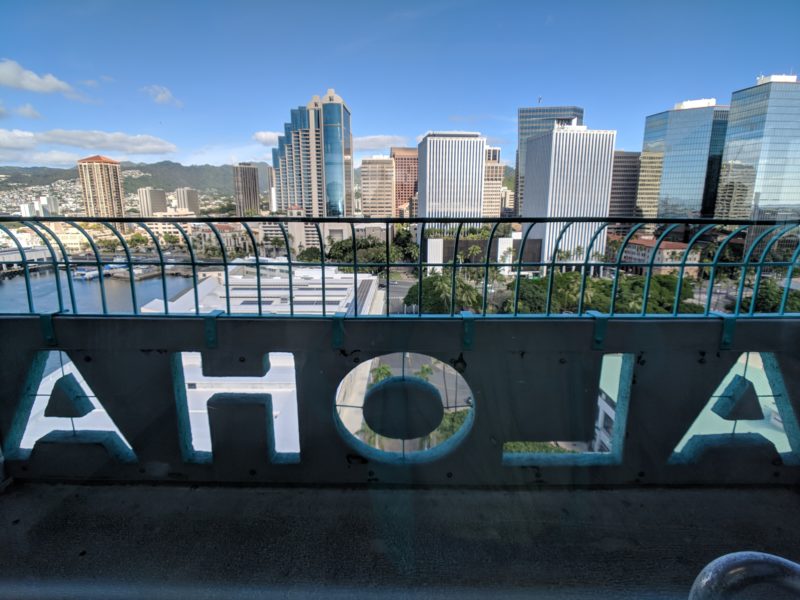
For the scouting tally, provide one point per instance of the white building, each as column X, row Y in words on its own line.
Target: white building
column 187, row 199
column 152, row 200
column 493, row 184
column 377, row 186
column 568, row 174
column 452, row 168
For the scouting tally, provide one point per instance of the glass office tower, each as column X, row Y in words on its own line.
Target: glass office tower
column 534, row 121
column 679, row 164
column 314, row 159
column 760, row 174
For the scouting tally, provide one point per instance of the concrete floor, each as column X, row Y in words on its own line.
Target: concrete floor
column 126, row 541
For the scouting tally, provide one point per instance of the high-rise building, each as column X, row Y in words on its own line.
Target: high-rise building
column 569, row 175
column 679, row 164
column 760, row 172
column 535, row 120
column 406, row 169
column 624, row 184
column 508, row 206
column 245, row 185
column 270, row 186
column 101, row 180
column 187, row 199
column 492, row 184
column 152, row 200
column 452, row 167
column 314, row 159
column 378, row 187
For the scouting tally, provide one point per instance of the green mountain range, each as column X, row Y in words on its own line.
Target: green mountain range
column 166, row 175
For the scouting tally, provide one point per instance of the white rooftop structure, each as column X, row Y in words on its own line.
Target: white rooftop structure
column 243, row 285
column 699, row 103
column 762, row 79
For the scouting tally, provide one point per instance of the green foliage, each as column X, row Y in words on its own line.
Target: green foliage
column 436, row 295
column 406, row 244
column 769, row 299
column 538, row 447
column 170, row 239
column 368, row 250
column 510, row 178
column 597, row 294
column 425, row 372
column 108, row 244
column 137, row 240
column 379, row 373
column 452, row 421
column 311, row 254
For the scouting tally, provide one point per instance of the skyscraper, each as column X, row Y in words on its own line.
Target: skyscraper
column 624, row 183
column 187, row 198
column 314, row 159
column 492, row 184
column 406, row 171
column 152, row 200
column 245, row 184
column 378, row 187
column 680, row 160
column 452, row 167
column 760, row 172
column 101, row 180
column 569, row 175
column 533, row 121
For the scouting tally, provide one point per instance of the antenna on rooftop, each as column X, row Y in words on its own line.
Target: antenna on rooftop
column 540, row 100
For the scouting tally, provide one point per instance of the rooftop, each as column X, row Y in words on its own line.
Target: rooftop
column 98, row 159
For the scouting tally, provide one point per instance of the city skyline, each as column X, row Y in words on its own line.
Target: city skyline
column 183, row 104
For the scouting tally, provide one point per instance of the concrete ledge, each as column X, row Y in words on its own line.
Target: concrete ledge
column 145, row 541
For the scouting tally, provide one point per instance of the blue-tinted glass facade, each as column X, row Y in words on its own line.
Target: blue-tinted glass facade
column 333, row 158
column 680, row 157
column 760, row 172
column 533, row 121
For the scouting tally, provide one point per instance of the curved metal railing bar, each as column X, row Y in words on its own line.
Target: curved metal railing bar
column 715, row 263
column 258, row 266
column 98, row 262
column 519, row 267
column 584, row 269
column 759, row 267
column 759, row 258
column 486, row 267
column 651, row 262
column 322, row 268
column 193, row 260
column 25, row 268
column 453, row 274
column 67, row 266
column 679, row 290
column 163, row 266
column 53, row 261
column 127, row 251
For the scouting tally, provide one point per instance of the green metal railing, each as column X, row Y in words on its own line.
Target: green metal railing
column 633, row 267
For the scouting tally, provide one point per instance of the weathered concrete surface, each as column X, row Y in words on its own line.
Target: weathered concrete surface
column 67, row 541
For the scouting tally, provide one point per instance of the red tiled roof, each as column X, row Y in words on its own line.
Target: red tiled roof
column 665, row 245
column 97, row 158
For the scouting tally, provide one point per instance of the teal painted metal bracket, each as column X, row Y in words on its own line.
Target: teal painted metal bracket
column 210, row 324
column 600, row 326
column 337, row 335
column 48, row 331
column 468, row 329
column 728, row 330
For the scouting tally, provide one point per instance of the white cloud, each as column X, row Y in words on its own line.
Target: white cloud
column 226, row 155
column 162, row 95
column 378, row 142
column 12, row 74
column 27, row 111
column 3, row 111
column 268, row 138
column 107, row 78
column 104, row 140
column 54, row 157
column 94, row 140
column 17, row 139
column 90, row 82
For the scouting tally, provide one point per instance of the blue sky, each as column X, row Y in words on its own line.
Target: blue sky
column 195, row 82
